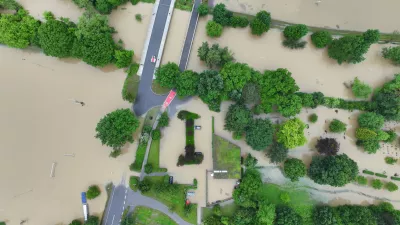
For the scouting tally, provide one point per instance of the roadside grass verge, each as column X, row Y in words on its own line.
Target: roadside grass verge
column 226, row 156
column 226, row 210
column 109, row 189
column 173, row 200
column 131, row 84
column 134, row 182
column 147, row 216
column 154, row 157
column 185, row 5
column 157, row 89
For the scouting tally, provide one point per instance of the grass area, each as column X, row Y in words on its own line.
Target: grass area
column 154, row 156
column 155, row 86
column 148, row 1
column 226, row 210
column 189, row 132
column 134, row 182
column 2, row 223
column 151, row 116
column 131, row 84
column 185, row 5
column 148, row 216
column 226, row 156
column 174, row 200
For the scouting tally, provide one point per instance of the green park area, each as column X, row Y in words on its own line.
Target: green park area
column 146, row 216
column 154, row 157
column 226, row 156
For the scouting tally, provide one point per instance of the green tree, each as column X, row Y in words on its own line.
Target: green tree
column 214, row 29
column 116, row 128
column 93, row 192
column 94, row 43
column 11, row 5
column 217, row 210
column 365, row 134
column 167, row 75
column 261, row 23
column 390, row 186
column 92, row 220
column 248, row 188
column 202, row 9
column 350, row 49
column 360, row 89
column 393, row 54
column 337, row 126
column 239, row 21
column 287, row 216
column 221, row 15
column 250, row 161
column 148, row 168
column 250, row 93
column 18, row 30
column 265, row 214
column 123, row 58
column 361, row 180
column 210, row 89
column 371, row 146
column 291, row 133
column 392, row 136
column 235, row 76
column 277, row 152
column 156, row 134
column 259, row 133
column 377, row 184
column 355, row 214
column 321, row 39
column 238, row 118
column 390, row 160
column 212, row 220
column 327, row 146
column 144, row 186
column 336, row 170
column 294, row 169
column 163, row 121
column 325, row 215
column 313, row 118
column 371, row 36
column 56, row 37
column 289, row 105
column 295, row 32
column 244, row 216
column 284, row 197
column 371, row 120
column 76, row 222
column 186, row 84
column 214, row 56
column 388, row 105
column 203, row 51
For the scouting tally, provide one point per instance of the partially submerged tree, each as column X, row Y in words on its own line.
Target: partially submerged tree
column 210, row 89
column 371, row 120
column 337, row 126
column 261, row 23
column 291, row 133
column 259, row 134
column 294, row 169
column 360, row 89
column 321, row 39
column 167, row 75
column 277, row 152
column 287, row 216
column 238, row 118
column 214, row 29
column 248, row 188
column 327, row 146
column 186, row 83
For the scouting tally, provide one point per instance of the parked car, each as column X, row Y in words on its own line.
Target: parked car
column 197, row 127
column 189, row 194
column 198, row 153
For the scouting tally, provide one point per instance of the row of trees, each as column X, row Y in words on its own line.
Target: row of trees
column 90, row 40
column 103, row 6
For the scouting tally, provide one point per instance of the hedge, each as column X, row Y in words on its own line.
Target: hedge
column 380, row 175
column 368, row 172
column 395, row 178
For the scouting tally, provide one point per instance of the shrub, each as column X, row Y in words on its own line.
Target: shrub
column 361, row 180
column 277, row 152
column 392, row 136
column 377, row 184
column 195, row 183
column 371, row 120
column 321, row 39
column 382, row 135
column 292, row 44
column 368, row 172
column 390, row 160
column 392, row 53
column 371, row 36
column 360, row 89
column 392, row 186
column 221, row 15
column 163, row 121
column 156, row 134
column 350, row 49
column 144, row 186
column 327, row 146
column 337, row 126
column 202, row 9
column 295, row 32
column 214, row 29
column 380, row 175
column 291, row 133
column 365, row 134
column 93, row 192
column 148, row 168
column 115, row 153
column 294, row 169
column 261, row 23
column 239, row 21
column 313, row 118
column 395, row 178
column 133, row 183
column 285, row 197
column 371, row 146
column 123, row 58
column 138, row 17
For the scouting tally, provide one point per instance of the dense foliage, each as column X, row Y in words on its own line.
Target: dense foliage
column 291, row 133
column 313, row 118
column 214, row 56
column 289, row 105
column 235, row 76
column 186, row 84
column 250, row 161
column 259, row 134
column 163, row 121
column 294, row 169
column 387, row 99
column 321, row 39
column 123, row 58
column 393, row 54
column 277, row 152
column 390, row 186
column 285, row 215
column 116, row 128
column 221, row 15
column 248, row 188
column 261, row 23
column 202, row 9
column 239, row 21
column 371, row 120
column 167, row 75
column 214, row 29
column 250, row 93
column 333, row 170
column 210, row 88
column 93, row 192
column 327, row 146
column 295, row 32
column 360, row 89
column 337, row 126
column 239, row 117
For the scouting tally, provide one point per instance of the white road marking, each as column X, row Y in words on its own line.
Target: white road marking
column 112, row 222
column 110, row 202
column 124, row 202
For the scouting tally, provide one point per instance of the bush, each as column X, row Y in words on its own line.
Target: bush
column 350, row 49
column 327, row 146
column 371, row 120
column 148, row 168
column 392, row 186
column 361, row 180
column 321, row 39
column 392, row 136
column 377, row 184
column 291, row 133
column 368, row 172
column 337, row 126
column 382, row 135
column 138, row 17
column 261, row 23
column 203, row 9
column 395, row 178
column 380, row 175
column 371, row 146
column 163, row 121
column 390, row 160
column 292, row 44
column 74, row 222
column 93, row 192
column 123, row 58
column 365, row 134
column 156, row 134
column 195, row 183
column 277, row 152
column 115, row 153
column 133, row 183
column 221, row 15
column 239, row 21
column 360, row 89
column 257, row 109
column 144, row 186
column 295, row 32
column 135, row 2
column 294, row 169
column 313, row 118
column 214, row 29
column 371, row 36
column 392, row 53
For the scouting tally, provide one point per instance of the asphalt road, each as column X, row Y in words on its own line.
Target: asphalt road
column 116, row 205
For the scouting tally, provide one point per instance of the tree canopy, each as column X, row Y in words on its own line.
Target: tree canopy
column 221, row 15
column 259, row 134
column 392, row 53
column 167, row 75
column 123, row 58
column 238, row 118
column 251, row 93
column 291, row 133
column 371, row 120
column 248, row 188
column 116, row 128
column 325, row 215
column 277, row 152
column 261, row 23
column 214, row 56
column 210, row 89
column 336, row 170
column 387, row 99
column 295, row 32
column 327, row 146
column 360, row 89
column 265, row 214
column 321, row 39
column 337, row 126
column 214, row 29
column 294, row 169
column 290, row 105
column 287, row 216
column 235, row 76
column 186, row 84
column 163, row 121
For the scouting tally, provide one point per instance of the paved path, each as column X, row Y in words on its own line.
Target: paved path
column 116, row 205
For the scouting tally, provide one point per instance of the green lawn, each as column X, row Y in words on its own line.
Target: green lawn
column 133, row 182
column 226, row 210
column 131, row 84
column 158, row 89
column 151, row 116
column 175, row 200
column 185, row 5
column 147, row 216
column 154, row 156
column 226, row 156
